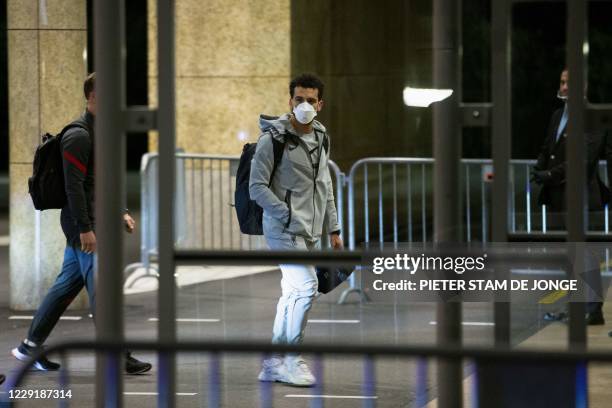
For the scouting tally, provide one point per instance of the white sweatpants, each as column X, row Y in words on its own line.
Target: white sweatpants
column 299, row 288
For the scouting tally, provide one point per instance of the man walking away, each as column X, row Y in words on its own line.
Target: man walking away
column 78, row 224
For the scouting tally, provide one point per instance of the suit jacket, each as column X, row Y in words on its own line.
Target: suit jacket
column 552, row 157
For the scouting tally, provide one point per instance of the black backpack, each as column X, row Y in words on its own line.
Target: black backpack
column 249, row 213
column 46, row 186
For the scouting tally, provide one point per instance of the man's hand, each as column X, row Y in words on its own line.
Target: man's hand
column 541, row 176
column 336, row 241
column 88, row 242
column 129, row 223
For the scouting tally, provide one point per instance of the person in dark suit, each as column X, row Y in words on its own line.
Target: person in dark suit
column 550, row 173
column 550, row 169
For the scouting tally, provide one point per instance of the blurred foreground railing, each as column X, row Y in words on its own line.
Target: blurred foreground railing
column 480, row 360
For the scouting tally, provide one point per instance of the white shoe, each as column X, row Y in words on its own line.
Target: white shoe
column 273, row 370
column 298, row 373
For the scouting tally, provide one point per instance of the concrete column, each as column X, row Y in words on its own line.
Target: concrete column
column 47, row 65
column 232, row 63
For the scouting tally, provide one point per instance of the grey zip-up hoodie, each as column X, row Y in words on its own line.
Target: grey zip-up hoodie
column 294, row 201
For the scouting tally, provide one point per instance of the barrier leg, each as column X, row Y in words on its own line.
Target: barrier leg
column 129, row 271
column 353, row 288
column 150, row 272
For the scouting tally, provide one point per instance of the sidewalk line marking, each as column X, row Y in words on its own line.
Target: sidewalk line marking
column 433, row 323
column 330, row 396
column 332, row 321
column 189, row 394
column 155, row 319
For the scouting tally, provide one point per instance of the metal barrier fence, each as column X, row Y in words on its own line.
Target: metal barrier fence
column 575, row 362
column 204, row 214
column 394, row 195
column 388, row 202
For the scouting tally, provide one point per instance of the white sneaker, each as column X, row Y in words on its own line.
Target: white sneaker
column 298, row 373
column 273, row 370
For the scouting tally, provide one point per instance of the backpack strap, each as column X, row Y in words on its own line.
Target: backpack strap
column 76, row 124
column 279, row 148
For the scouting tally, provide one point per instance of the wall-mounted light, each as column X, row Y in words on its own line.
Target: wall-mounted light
column 585, row 48
column 423, row 97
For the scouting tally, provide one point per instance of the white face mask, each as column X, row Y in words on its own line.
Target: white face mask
column 304, row 113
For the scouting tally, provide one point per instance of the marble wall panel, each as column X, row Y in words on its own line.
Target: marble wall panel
column 218, row 115
column 63, row 15
column 22, row 14
column 152, row 42
column 62, row 72
column 24, row 96
column 232, row 63
column 238, row 38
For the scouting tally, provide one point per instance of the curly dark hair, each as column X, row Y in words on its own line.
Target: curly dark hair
column 307, row 81
column 89, row 85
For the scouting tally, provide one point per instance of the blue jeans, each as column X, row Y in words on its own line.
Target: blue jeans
column 77, row 272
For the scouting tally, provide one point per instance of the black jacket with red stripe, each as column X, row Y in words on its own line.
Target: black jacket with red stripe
column 78, row 156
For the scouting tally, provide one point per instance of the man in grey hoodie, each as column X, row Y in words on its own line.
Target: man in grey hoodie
column 297, row 199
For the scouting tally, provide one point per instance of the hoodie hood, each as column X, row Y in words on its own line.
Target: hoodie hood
column 283, row 124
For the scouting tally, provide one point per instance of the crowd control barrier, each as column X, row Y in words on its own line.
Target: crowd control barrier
column 205, row 217
column 389, row 201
